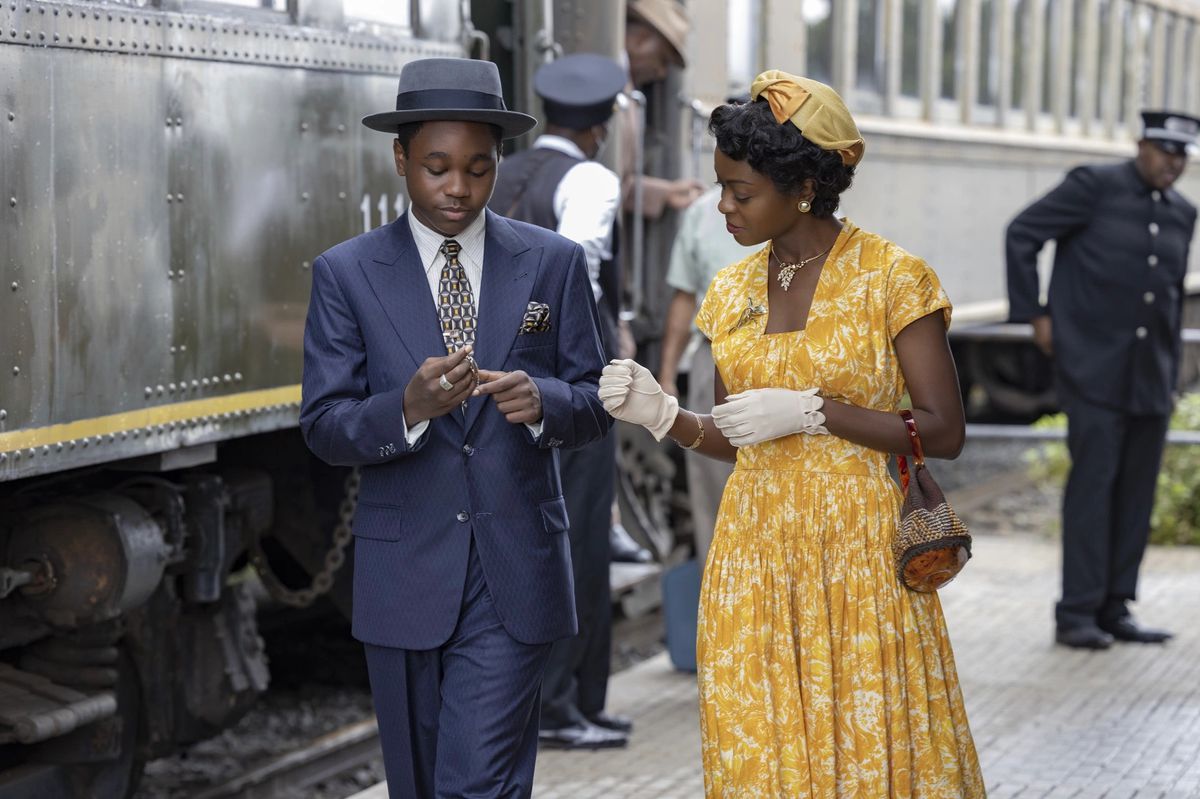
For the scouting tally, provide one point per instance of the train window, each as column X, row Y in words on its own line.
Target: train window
column 1169, row 78
column 744, row 44
column 1021, row 50
column 951, row 67
column 870, row 56
column 1051, row 36
column 989, row 52
column 269, row 5
column 818, row 19
column 910, row 54
column 1104, row 10
column 1077, row 86
column 1187, row 87
column 389, row 12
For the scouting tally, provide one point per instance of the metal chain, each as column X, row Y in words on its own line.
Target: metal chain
column 322, row 581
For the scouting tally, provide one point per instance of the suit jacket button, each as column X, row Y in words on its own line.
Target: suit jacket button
column 468, row 449
column 463, row 516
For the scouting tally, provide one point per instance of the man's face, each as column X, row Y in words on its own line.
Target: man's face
column 1158, row 167
column 450, row 170
column 650, row 56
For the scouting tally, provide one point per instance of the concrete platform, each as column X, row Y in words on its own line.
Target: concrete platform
column 1049, row 723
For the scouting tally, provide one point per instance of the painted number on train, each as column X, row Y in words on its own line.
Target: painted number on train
column 381, row 206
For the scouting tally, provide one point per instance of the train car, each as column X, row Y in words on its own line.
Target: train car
column 970, row 109
column 169, row 170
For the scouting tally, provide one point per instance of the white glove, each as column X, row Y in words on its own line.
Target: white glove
column 762, row 414
column 630, row 393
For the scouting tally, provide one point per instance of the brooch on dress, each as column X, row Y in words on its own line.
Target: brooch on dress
column 749, row 313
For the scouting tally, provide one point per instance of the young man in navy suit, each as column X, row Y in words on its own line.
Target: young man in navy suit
column 449, row 355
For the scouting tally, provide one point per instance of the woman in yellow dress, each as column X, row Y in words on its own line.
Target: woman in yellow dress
column 820, row 675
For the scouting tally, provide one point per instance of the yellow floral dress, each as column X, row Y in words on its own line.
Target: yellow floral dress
column 820, row 675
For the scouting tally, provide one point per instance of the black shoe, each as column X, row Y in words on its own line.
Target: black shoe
column 1083, row 636
column 624, row 548
column 612, row 722
column 1126, row 629
column 583, row 735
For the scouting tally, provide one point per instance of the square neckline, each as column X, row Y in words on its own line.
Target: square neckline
column 764, row 275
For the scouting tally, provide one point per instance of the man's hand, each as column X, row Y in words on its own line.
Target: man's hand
column 684, row 192
column 426, row 398
column 1043, row 335
column 515, row 394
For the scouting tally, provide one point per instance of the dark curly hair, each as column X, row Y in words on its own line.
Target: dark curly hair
column 748, row 132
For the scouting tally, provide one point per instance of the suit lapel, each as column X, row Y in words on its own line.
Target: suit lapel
column 509, row 270
column 397, row 277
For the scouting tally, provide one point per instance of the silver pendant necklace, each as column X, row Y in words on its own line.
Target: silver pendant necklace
column 787, row 270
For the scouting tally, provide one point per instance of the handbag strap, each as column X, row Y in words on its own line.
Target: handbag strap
column 917, row 450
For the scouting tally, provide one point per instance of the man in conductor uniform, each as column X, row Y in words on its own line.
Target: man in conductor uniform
column 462, row 574
column 556, row 184
column 1112, row 323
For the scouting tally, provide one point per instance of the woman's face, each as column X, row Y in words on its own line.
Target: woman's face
column 755, row 211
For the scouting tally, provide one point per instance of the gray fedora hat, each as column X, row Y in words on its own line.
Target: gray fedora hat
column 452, row 90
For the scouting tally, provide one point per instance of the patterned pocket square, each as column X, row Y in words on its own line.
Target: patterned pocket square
column 536, row 319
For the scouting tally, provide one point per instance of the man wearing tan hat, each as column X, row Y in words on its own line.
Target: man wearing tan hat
column 655, row 39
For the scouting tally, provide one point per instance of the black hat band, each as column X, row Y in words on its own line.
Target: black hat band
column 443, row 99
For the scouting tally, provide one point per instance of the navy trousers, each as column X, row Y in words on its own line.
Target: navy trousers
column 460, row 721
column 1115, row 458
column 576, row 681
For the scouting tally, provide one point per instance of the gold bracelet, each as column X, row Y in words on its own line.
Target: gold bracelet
column 700, row 436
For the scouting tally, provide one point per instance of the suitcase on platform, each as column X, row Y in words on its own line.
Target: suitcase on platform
column 681, row 602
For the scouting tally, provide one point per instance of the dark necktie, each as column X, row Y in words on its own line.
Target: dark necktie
column 456, row 302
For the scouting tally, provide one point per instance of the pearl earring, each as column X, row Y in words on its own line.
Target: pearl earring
column 804, row 206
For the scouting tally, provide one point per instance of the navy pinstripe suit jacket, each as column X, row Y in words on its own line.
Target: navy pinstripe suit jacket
column 371, row 323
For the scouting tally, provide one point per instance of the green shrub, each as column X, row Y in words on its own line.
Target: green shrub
column 1176, row 515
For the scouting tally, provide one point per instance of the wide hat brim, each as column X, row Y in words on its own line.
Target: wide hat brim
column 511, row 123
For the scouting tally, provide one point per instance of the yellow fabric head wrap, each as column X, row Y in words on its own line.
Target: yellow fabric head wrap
column 814, row 108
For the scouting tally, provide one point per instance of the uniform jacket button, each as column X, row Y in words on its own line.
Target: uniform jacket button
column 1153, row 228
column 1148, row 297
column 1156, row 194
column 1152, row 260
column 463, row 516
column 1141, row 332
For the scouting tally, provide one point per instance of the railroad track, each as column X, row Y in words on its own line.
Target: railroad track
column 299, row 770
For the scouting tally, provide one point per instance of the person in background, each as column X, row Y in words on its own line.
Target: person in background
column 450, row 355
column 1112, row 324
column 655, row 39
column 557, row 184
column 702, row 248
column 819, row 673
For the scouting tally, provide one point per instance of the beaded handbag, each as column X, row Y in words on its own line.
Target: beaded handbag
column 932, row 544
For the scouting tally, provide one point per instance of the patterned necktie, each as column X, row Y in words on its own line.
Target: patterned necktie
column 456, row 302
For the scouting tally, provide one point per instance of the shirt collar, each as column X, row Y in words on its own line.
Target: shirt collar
column 563, row 145
column 429, row 241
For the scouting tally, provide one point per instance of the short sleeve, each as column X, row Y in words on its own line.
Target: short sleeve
column 681, row 270
column 708, row 314
column 913, row 291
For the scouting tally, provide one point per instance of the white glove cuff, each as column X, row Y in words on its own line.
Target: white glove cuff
column 666, row 418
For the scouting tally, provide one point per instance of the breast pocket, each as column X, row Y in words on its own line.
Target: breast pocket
column 529, row 340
